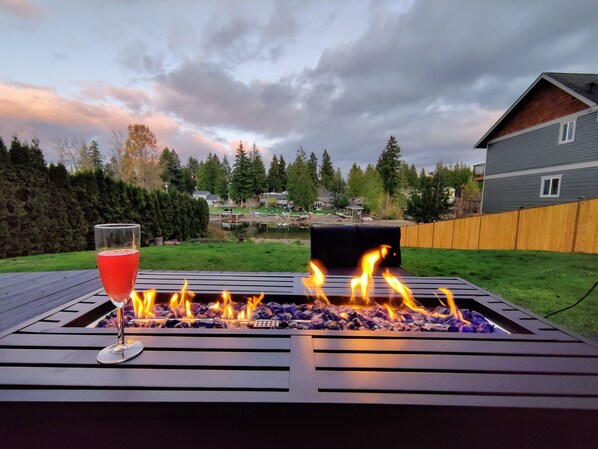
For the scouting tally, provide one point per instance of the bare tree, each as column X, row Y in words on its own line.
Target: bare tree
column 68, row 152
column 114, row 166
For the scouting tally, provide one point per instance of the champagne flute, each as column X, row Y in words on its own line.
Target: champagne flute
column 117, row 254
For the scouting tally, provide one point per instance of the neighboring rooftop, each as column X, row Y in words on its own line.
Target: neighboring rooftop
column 581, row 86
column 584, row 84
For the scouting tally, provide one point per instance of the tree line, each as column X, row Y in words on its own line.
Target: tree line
column 46, row 209
column 389, row 188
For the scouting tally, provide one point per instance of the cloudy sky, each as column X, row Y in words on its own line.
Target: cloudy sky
column 336, row 74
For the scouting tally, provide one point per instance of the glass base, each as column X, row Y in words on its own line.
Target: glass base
column 118, row 354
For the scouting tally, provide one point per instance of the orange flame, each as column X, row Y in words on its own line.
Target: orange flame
column 368, row 265
column 408, row 299
column 228, row 313
column 143, row 307
column 410, row 302
column 452, row 306
column 316, row 281
column 180, row 303
column 391, row 313
column 228, row 310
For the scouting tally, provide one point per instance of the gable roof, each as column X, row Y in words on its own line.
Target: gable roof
column 583, row 86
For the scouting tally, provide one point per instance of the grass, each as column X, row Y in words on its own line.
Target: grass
column 539, row 281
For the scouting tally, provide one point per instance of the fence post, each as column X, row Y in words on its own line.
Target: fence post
column 575, row 227
column 517, row 229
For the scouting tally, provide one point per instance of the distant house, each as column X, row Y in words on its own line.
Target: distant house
column 324, row 199
column 201, row 194
column 544, row 149
column 275, row 198
column 213, row 199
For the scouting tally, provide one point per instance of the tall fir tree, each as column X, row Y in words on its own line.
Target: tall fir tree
column 413, row 177
column 208, row 173
column 258, row 171
column 224, row 180
column 301, row 189
column 170, row 170
column 274, row 183
column 389, row 165
column 312, row 166
column 282, row 172
column 326, row 170
column 241, row 181
column 97, row 159
column 338, row 189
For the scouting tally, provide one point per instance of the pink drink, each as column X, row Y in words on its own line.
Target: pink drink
column 118, row 271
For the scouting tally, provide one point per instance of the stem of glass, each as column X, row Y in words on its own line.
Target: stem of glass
column 120, row 328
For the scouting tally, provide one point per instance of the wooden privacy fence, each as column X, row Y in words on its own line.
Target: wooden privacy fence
column 569, row 227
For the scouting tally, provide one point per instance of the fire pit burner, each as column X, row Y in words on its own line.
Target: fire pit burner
column 315, row 316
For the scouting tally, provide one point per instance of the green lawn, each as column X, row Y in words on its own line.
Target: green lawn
column 539, row 281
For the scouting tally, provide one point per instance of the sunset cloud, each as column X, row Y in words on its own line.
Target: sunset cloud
column 23, row 9
column 39, row 112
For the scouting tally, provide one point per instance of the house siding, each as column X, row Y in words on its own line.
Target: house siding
column 540, row 148
column 544, row 103
column 505, row 194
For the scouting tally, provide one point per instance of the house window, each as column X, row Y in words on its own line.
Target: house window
column 551, row 186
column 567, row 133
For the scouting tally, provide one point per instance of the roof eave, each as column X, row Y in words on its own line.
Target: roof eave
column 483, row 142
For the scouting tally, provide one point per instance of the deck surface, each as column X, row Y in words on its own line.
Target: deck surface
column 536, row 379
column 26, row 295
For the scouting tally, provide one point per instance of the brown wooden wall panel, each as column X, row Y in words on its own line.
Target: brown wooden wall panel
column 547, row 228
column 425, row 237
column 409, row 236
column 499, row 231
column 443, row 234
column 586, row 240
column 466, row 233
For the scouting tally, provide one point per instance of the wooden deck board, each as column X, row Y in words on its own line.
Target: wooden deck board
column 26, row 295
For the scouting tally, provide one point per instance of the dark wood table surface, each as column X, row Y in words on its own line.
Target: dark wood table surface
column 537, row 386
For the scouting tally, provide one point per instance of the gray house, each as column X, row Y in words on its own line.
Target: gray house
column 544, row 149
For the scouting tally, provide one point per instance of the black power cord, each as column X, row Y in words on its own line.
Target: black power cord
column 580, row 300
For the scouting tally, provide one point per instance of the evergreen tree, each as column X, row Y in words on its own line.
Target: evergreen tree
column 413, row 180
column 300, row 187
column 241, row 181
column 312, row 166
column 171, row 172
column 389, row 165
column 355, row 181
column 404, row 177
column 282, row 172
column 430, row 202
column 97, row 158
column 326, row 170
column 223, row 182
column 274, row 181
column 208, row 173
column 187, row 180
column 338, row 189
column 258, row 172
column 90, row 158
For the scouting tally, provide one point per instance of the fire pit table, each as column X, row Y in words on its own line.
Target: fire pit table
column 529, row 385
